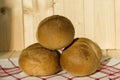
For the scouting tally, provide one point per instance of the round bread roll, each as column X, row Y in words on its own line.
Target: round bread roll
column 36, row 60
column 81, row 58
column 55, row 32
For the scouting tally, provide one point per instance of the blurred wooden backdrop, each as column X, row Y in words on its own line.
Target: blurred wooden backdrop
column 98, row 20
column 11, row 25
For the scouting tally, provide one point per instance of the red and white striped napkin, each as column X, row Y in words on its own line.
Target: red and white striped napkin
column 9, row 70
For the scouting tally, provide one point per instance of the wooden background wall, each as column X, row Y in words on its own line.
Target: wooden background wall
column 11, row 25
column 98, row 20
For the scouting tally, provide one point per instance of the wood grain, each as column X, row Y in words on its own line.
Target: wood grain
column 34, row 12
column 104, row 23
column 97, row 20
column 73, row 10
column 11, row 25
column 117, row 20
column 89, row 18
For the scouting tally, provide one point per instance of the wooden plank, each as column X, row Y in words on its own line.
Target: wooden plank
column 34, row 12
column 73, row 10
column 11, row 25
column 28, row 29
column 9, row 54
column 28, row 22
column 89, row 19
column 117, row 18
column 5, row 54
column 15, row 54
column 113, row 53
column 104, row 23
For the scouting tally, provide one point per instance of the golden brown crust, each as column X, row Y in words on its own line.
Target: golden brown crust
column 55, row 32
column 94, row 46
column 39, row 61
column 81, row 57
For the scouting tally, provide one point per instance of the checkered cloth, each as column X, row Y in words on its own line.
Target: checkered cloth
column 9, row 70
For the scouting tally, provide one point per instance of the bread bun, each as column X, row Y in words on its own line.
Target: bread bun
column 55, row 32
column 81, row 58
column 36, row 60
